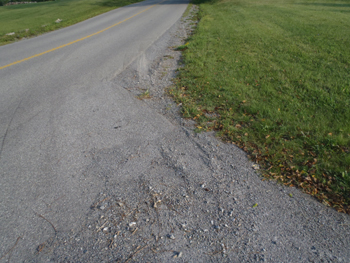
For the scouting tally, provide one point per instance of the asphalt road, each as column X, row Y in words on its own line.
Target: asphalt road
column 91, row 173
column 57, row 107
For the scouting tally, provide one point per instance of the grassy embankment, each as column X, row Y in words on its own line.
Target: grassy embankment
column 273, row 77
column 33, row 19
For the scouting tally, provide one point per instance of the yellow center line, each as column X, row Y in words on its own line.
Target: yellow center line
column 75, row 41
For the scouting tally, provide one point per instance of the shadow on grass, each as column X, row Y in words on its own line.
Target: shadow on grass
column 327, row 4
column 198, row 2
column 117, row 3
column 120, row 3
column 341, row 11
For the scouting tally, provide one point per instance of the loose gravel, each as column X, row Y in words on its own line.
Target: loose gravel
column 188, row 197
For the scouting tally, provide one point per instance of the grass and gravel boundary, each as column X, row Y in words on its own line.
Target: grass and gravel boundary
column 273, row 78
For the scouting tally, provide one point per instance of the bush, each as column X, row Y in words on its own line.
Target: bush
column 3, row 2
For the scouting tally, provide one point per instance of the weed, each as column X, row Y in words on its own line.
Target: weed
column 182, row 47
column 168, row 57
column 144, row 95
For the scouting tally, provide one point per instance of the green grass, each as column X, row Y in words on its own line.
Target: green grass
column 188, row 10
column 41, row 17
column 273, row 77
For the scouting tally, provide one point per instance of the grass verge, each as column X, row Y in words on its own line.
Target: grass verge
column 28, row 20
column 188, row 9
column 273, row 77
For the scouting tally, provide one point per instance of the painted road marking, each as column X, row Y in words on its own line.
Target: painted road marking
column 78, row 40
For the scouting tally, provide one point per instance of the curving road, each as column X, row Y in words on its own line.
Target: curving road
column 89, row 173
column 57, row 105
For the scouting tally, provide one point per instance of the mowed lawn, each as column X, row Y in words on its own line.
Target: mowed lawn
column 273, row 77
column 32, row 19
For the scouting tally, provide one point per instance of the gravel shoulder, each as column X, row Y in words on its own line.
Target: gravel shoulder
column 172, row 195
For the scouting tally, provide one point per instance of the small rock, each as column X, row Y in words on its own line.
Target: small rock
column 132, row 224
column 10, row 34
column 256, row 166
column 105, row 229
column 171, row 236
column 177, row 255
column 223, row 248
column 155, row 205
column 274, row 240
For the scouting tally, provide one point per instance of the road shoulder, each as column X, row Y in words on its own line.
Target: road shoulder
column 176, row 195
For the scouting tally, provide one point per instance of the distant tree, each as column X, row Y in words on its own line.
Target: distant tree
column 3, row 2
